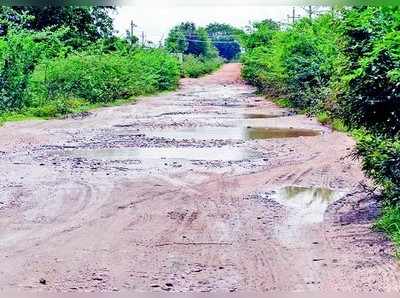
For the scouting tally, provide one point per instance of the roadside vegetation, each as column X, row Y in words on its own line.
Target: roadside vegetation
column 344, row 68
column 59, row 60
column 195, row 49
column 55, row 61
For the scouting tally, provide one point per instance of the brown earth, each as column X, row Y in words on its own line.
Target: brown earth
column 89, row 203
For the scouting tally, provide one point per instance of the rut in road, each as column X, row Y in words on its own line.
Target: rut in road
column 210, row 188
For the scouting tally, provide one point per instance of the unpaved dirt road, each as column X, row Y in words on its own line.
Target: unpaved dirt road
column 181, row 192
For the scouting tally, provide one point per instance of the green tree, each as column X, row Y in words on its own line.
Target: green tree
column 225, row 38
column 12, row 19
column 189, row 40
column 86, row 24
column 259, row 34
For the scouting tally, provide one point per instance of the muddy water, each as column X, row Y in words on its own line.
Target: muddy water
column 190, row 153
column 236, row 133
column 262, row 116
column 140, row 226
column 309, row 204
column 306, row 206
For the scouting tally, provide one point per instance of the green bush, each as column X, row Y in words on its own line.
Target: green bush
column 297, row 62
column 18, row 55
column 194, row 67
column 20, row 52
column 345, row 69
column 389, row 222
column 368, row 88
column 104, row 77
column 381, row 162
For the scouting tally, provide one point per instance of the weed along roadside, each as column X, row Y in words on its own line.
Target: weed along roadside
column 177, row 182
column 275, row 173
column 352, row 84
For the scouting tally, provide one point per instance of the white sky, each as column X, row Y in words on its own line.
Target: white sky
column 156, row 18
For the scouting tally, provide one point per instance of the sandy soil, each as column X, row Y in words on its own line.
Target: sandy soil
column 88, row 203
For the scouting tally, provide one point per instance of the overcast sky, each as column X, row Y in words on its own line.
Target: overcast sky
column 156, row 18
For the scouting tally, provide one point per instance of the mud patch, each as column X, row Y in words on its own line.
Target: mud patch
column 188, row 153
column 263, row 116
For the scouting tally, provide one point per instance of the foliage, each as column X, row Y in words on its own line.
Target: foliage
column 381, row 161
column 19, row 53
column 297, row 62
column 103, row 78
column 86, row 23
column 10, row 19
column 225, row 38
column 258, row 34
column 194, row 67
column 368, row 90
column 189, row 40
column 389, row 222
column 345, row 69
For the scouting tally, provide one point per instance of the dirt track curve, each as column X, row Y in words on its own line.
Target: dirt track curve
column 179, row 192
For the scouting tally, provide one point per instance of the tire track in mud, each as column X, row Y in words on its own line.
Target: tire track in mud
column 91, row 224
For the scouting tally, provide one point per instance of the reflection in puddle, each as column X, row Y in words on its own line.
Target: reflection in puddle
column 305, row 206
column 309, row 204
column 236, row 133
column 188, row 153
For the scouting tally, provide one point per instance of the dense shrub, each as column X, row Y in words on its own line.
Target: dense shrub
column 104, row 77
column 368, row 91
column 345, row 68
column 381, row 161
column 297, row 63
column 194, row 67
column 18, row 56
column 389, row 222
column 19, row 53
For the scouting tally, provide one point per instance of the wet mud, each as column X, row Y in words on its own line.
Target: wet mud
column 211, row 188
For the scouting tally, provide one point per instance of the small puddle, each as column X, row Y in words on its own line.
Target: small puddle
column 309, row 203
column 233, row 133
column 188, row 153
column 306, row 206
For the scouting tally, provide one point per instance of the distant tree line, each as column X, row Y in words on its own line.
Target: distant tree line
column 215, row 39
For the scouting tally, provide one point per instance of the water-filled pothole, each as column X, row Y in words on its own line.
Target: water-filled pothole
column 233, row 133
column 262, row 116
column 305, row 206
column 309, row 203
column 188, row 153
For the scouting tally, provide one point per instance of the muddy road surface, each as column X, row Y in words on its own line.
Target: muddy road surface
column 210, row 188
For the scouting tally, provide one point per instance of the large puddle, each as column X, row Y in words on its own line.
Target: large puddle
column 188, row 153
column 233, row 133
column 306, row 206
column 262, row 116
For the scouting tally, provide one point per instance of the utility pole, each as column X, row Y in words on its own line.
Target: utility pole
column 312, row 11
column 132, row 26
column 161, row 41
column 293, row 17
column 143, row 39
column 131, row 30
column 333, row 11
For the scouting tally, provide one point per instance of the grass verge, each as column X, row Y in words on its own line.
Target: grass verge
column 389, row 222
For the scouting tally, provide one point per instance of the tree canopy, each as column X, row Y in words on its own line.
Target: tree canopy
column 225, row 38
column 187, row 39
column 85, row 24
